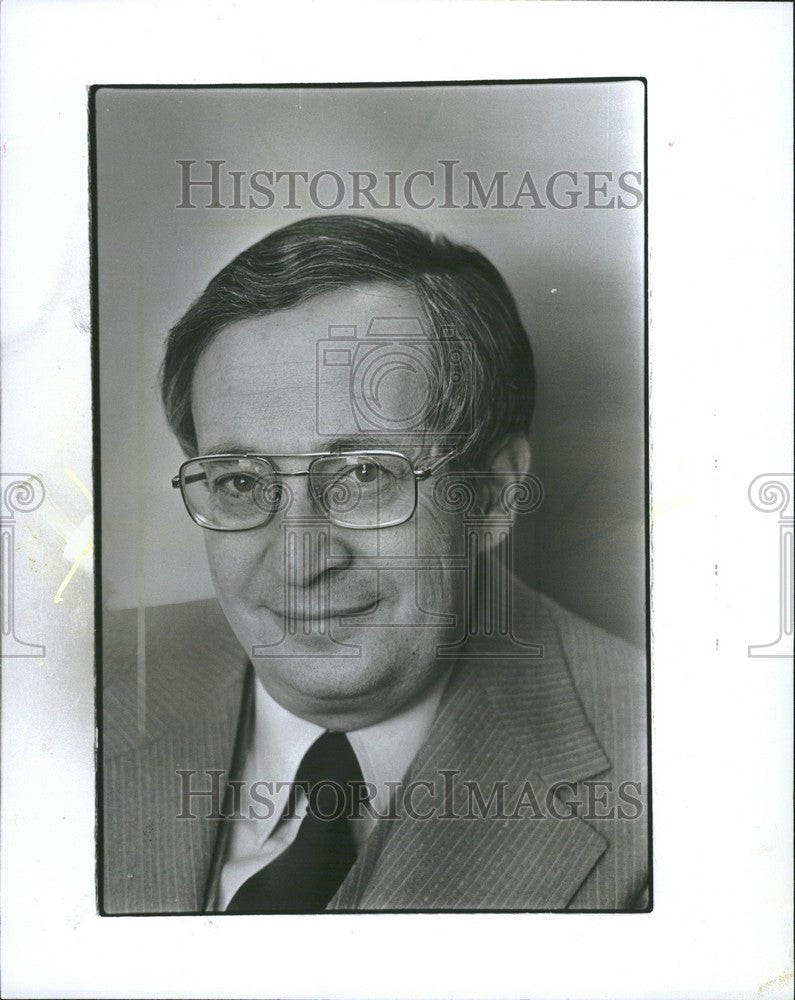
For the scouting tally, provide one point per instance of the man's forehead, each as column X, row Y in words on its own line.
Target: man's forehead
column 310, row 373
column 285, row 342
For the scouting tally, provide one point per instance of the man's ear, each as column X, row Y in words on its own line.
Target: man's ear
column 510, row 461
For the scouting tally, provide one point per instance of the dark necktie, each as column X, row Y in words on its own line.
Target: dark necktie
column 304, row 877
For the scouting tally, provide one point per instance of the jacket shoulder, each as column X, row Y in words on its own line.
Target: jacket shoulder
column 161, row 666
column 599, row 661
column 611, row 679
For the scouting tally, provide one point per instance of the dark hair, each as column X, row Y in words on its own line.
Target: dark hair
column 457, row 288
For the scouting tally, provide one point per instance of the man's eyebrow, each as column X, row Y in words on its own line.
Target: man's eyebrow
column 363, row 442
column 232, row 448
column 359, row 442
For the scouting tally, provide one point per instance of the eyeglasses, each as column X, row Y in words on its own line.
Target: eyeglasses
column 353, row 489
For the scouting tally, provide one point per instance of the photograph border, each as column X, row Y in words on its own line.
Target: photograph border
column 94, row 209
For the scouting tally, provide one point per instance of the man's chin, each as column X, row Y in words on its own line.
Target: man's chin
column 307, row 643
column 331, row 691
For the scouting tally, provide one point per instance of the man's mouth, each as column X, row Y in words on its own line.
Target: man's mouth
column 309, row 608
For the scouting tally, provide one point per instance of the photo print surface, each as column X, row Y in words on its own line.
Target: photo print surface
column 372, row 425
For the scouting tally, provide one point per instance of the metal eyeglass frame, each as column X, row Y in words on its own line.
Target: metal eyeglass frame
column 179, row 482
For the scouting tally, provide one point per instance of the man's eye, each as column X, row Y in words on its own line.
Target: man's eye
column 367, row 473
column 236, row 484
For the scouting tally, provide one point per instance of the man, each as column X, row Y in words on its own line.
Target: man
column 376, row 714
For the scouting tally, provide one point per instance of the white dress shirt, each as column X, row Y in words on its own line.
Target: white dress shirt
column 279, row 741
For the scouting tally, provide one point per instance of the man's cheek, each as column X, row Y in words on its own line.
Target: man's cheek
column 228, row 561
column 440, row 581
column 215, row 558
column 439, row 533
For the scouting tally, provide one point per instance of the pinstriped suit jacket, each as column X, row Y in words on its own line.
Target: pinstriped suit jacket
column 561, row 738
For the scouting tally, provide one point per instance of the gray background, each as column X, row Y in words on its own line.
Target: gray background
column 585, row 546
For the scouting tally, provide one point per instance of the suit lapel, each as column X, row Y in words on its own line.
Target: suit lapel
column 166, row 839
column 513, row 730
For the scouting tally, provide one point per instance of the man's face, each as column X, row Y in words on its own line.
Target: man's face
column 293, row 587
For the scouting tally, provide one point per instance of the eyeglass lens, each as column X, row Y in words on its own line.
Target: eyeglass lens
column 359, row 490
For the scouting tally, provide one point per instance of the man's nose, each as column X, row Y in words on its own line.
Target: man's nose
column 295, row 498
column 309, row 540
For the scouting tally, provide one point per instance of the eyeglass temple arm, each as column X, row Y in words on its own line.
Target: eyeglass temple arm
column 175, row 483
column 421, row 474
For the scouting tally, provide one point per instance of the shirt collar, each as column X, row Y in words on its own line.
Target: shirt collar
column 280, row 738
column 386, row 749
